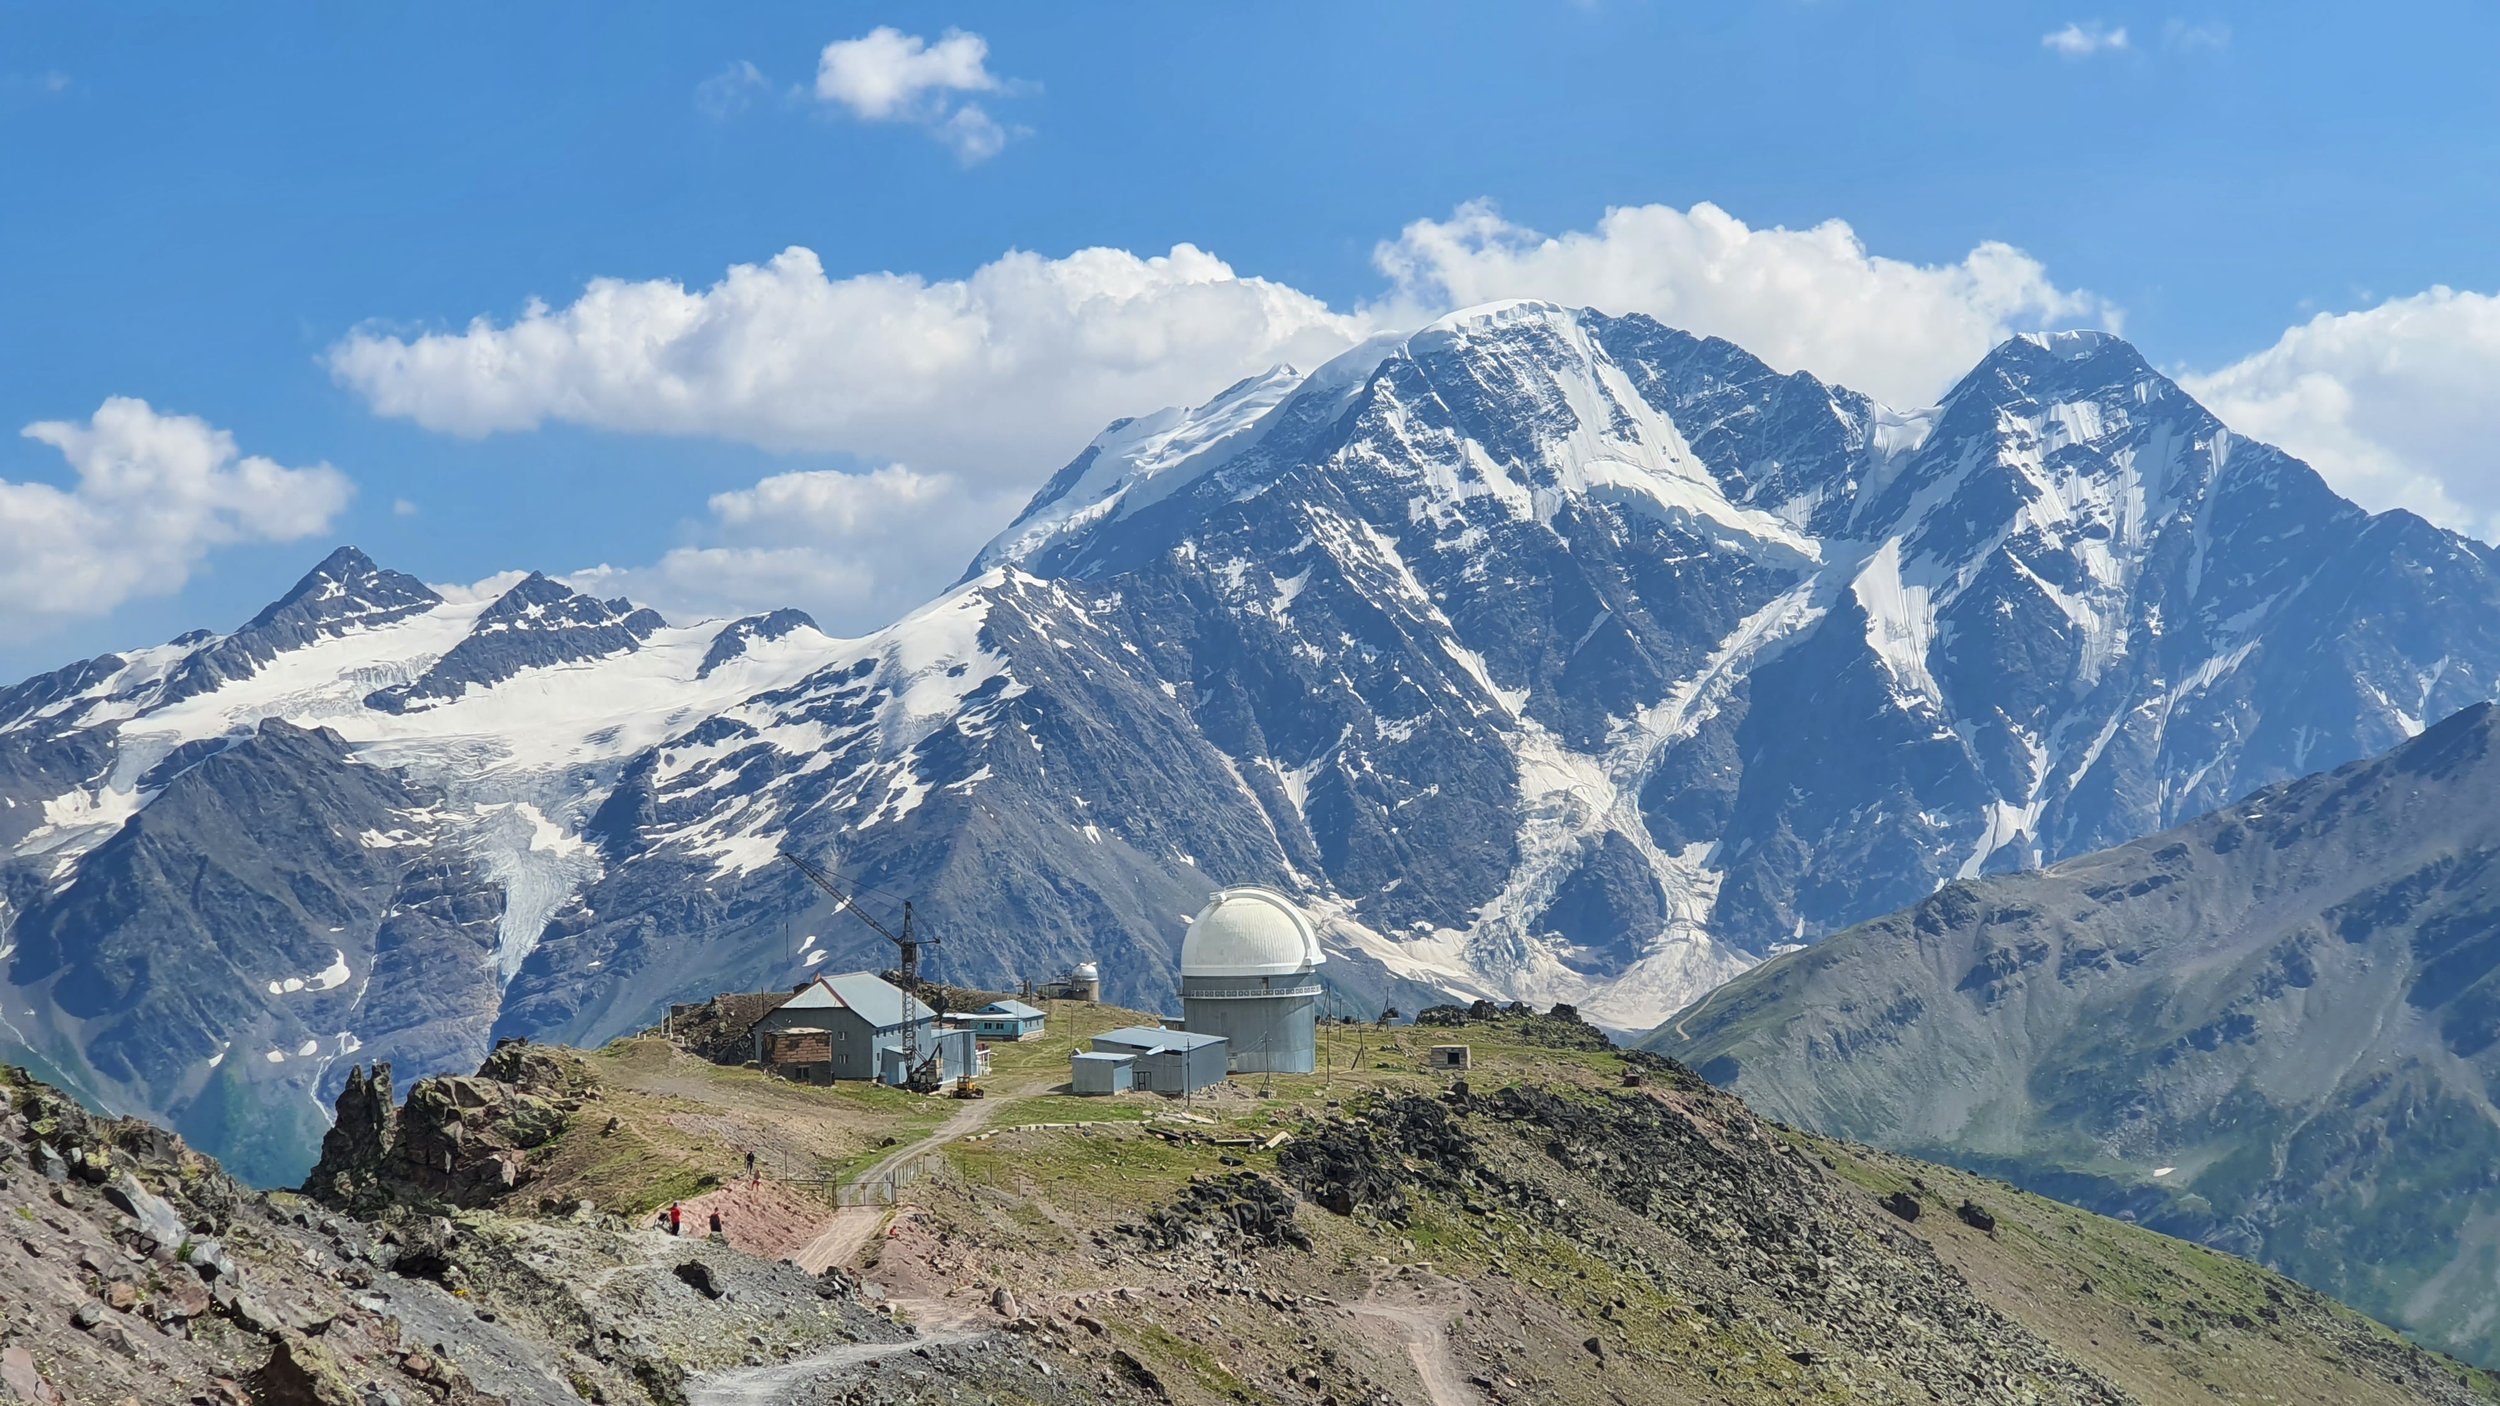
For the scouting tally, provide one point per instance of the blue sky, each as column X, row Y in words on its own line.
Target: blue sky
column 249, row 217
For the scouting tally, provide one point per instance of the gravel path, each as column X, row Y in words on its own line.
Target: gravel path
column 787, row 1383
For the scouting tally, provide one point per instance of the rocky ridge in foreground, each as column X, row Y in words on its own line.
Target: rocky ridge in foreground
column 1570, row 1224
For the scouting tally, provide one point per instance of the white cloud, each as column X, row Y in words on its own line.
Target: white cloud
column 855, row 550
column 731, row 91
column 2082, row 41
column 2195, row 36
column 2391, row 404
column 987, row 383
column 995, row 378
column 889, row 76
column 1813, row 299
column 153, row 493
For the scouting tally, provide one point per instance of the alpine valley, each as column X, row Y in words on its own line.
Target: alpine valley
column 1550, row 655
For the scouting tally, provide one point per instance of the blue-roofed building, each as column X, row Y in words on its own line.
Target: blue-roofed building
column 1168, row 1061
column 862, row 1017
column 1006, row 1020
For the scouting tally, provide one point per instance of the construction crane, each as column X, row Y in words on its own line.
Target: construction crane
column 917, row 1078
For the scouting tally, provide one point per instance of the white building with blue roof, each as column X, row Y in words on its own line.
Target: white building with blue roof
column 1007, row 1020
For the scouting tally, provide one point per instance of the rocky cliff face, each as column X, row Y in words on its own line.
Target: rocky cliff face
column 1545, row 655
column 2276, row 1029
column 459, row 1140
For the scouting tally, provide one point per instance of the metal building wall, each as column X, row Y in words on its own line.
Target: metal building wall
column 1269, row 1024
column 1100, row 1076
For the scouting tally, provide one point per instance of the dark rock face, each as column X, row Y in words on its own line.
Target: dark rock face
column 537, row 623
column 457, row 1141
column 1610, row 893
column 742, row 634
column 1241, row 1210
column 166, row 967
column 2272, row 1030
column 346, row 592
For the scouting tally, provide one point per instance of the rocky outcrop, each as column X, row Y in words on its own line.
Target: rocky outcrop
column 1242, row 1211
column 459, row 1140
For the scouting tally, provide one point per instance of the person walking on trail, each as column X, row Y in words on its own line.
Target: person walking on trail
column 754, row 1178
column 676, row 1218
column 717, row 1236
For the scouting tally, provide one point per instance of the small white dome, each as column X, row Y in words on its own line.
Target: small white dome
column 1087, row 971
column 1250, row 931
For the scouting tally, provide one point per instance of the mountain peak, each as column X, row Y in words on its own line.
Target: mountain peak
column 539, row 622
column 2058, row 363
column 347, row 585
column 1502, row 312
column 347, row 592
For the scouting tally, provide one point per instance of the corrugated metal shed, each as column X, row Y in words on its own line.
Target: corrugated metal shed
column 1169, row 1061
column 1099, row 1072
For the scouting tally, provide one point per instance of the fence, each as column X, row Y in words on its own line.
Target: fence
column 883, row 1188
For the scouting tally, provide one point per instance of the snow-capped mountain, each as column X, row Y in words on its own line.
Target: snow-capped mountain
column 1547, row 654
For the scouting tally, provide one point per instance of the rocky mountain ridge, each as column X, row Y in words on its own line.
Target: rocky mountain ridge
column 1545, row 655
column 2275, row 1030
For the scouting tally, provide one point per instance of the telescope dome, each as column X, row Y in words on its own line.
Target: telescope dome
column 1249, row 931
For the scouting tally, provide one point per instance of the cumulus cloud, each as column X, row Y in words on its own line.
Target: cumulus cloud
column 889, row 76
column 853, row 549
column 1811, row 299
column 992, row 378
column 2082, row 41
column 2392, row 404
column 985, row 384
column 152, row 494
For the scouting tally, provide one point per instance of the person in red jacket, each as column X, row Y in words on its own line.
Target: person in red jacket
column 676, row 1217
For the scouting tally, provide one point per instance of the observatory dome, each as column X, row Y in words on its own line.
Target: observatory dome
column 1249, row 931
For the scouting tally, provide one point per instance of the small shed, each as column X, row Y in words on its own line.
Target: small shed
column 957, row 1053
column 1448, row 1057
column 1101, row 1072
column 1007, row 1020
column 1169, row 1061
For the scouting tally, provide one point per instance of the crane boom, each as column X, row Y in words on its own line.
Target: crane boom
column 907, row 943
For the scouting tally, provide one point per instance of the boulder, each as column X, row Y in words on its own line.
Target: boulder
column 300, row 1372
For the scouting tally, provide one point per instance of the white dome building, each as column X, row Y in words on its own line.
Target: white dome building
column 1249, row 972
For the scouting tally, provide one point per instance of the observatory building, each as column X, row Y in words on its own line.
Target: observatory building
column 1249, row 973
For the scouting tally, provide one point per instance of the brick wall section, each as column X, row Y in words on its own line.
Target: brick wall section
column 798, row 1047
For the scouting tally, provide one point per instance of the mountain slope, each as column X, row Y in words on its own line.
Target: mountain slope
column 2276, row 1029
column 1545, row 655
column 1549, row 1237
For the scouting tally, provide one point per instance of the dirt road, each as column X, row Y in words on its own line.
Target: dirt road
column 852, row 1227
column 1421, row 1321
